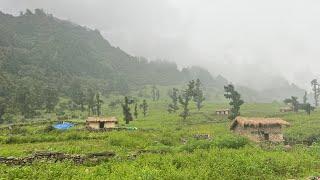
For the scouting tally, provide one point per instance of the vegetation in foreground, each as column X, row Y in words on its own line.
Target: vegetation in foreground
column 172, row 151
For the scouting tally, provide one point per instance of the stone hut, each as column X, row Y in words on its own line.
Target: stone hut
column 223, row 111
column 260, row 129
column 101, row 122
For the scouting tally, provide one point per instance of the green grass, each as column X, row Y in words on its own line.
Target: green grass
column 226, row 156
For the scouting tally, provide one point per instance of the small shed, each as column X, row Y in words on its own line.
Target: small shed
column 223, row 111
column 286, row 109
column 260, row 129
column 101, row 122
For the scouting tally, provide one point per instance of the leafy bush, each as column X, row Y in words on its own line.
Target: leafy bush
column 48, row 129
column 230, row 142
column 193, row 145
column 18, row 130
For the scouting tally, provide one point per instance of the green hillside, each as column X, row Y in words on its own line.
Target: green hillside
column 44, row 59
column 42, row 47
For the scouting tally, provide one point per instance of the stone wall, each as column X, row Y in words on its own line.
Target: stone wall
column 257, row 133
column 55, row 157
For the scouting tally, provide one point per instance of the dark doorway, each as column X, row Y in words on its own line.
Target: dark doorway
column 266, row 136
column 101, row 124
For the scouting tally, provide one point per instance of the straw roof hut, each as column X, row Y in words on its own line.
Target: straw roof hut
column 260, row 129
column 101, row 122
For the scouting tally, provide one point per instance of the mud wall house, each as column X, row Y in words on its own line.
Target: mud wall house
column 101, row 122
column 286, row 109
column 223, row 111
column 260, row 129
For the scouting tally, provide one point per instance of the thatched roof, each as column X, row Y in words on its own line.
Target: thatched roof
column 258, row 122
column 102, row 119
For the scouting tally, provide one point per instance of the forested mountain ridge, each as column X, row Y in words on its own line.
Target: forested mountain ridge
column 41, row 46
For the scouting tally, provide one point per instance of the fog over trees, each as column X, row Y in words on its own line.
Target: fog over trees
column 278, row 39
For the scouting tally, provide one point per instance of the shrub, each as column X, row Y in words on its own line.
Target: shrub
column 196, row 144
column 48, row 129
column 18, row 130
column 230, row 142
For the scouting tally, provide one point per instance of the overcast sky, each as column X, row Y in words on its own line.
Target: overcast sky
column 244, row 40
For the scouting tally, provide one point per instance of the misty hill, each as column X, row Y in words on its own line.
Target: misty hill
column 36, row 47
column 41, row 46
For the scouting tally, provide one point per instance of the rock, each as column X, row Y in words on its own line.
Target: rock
column 202, row 136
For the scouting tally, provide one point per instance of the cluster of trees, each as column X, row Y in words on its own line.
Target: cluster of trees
column 296, row 105
column 126, row 109
column 26, row 97
column 192, row 92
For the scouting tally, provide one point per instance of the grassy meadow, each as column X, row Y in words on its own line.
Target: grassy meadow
column 172, row 152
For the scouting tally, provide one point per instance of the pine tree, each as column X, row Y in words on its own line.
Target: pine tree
column 157, row 94
column 136, row 110
column 185, row 97
column 77, row 94
column 305, row 98
column 50, row 95
column 91, row 102
column 236, row 101
column 173, row 107
column 98, row 104
column 308, row 108
column 198, row 95
column 154, row 92
column 3, row 107
column 316, row 91
column 144, row 107
column 126, row 110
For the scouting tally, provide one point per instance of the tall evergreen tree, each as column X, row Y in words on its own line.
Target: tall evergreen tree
column 51, row 98
column 198, row 95
column 91, row 102
column 77, row 94
column 236, row 101
column 316, row 91
column 144, row 107
column 126, row 110
column 27, row 98
column 157, row 94
column 305, row 98
column 98, row 104
column 173, row 107
column 3, row 106
column 136, row 110
column 185, row 97
column 154, row 93
column 5, row 96
column 308, row 108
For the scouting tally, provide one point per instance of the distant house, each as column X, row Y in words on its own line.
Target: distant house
column 285, row 109
column 259, row 129
column 223, row 111
column 101, row 122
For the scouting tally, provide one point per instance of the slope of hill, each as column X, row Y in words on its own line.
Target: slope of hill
column 42, row 46
column 39, row 48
